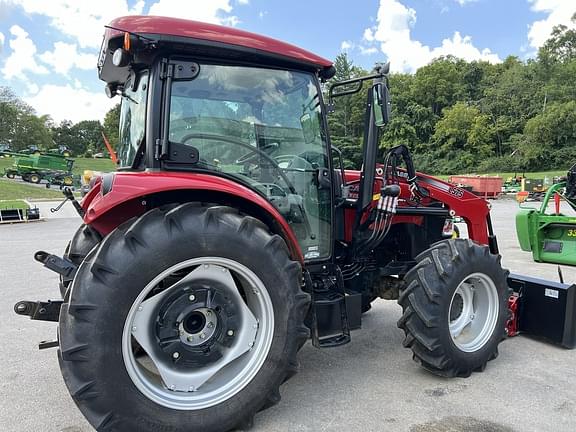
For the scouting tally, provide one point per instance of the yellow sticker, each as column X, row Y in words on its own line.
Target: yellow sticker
column 375, row 197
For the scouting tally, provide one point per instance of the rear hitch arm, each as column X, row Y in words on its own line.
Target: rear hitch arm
column 40, row 311
column 59, row 265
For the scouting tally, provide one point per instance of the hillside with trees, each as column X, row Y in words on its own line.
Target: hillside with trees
column 459, row 116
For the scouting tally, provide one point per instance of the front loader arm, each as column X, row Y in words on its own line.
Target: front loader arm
column 474, row 210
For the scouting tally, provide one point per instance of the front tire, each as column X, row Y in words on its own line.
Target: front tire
column 171, row 267
column 455, row 308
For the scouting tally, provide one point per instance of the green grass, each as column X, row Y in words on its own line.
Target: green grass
column 103, row 165
column 80, row 164
column 11, row 190
column 13, row 204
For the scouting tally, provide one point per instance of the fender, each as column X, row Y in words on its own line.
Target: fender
column 116, row 197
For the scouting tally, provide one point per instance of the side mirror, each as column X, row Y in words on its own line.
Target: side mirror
column 381, row 104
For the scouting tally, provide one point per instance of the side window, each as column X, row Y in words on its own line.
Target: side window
column 132, row 120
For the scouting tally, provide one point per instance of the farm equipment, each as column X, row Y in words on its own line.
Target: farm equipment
column 34, row 168
column 513, row 184
column 550, row 236
column 232, row 234
column 483, row 186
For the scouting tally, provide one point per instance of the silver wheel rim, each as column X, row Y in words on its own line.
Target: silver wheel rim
column 473, row 312
column 191, row 388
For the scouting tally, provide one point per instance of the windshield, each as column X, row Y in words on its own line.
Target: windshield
column 263, row 127
column 132, row 120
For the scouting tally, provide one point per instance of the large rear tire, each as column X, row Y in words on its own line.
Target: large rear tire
column 84, row 240
column 455, row 308
column 214, row 277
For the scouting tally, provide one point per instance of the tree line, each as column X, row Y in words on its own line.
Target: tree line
column 455, row 116
column 458, row 116
column 22, row 129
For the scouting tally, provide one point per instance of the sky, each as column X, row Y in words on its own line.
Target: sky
column 49, row 48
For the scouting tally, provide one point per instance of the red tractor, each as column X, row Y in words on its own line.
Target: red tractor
column 231, row 234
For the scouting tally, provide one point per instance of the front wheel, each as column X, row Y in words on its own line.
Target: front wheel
column 455, row 307
column 185, row 319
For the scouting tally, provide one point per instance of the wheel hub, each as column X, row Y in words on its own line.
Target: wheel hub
column 164, row 351
column 196, row 324
column 473, row 312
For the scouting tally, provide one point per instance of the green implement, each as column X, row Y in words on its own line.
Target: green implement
column 36, row 167
column 551, row 237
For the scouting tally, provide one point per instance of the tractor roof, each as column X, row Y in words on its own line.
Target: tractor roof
column 166, row 29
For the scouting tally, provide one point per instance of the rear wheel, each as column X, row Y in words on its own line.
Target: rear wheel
column 34, row 178
column 84, row 240
column 199, row 316
column 455, row 307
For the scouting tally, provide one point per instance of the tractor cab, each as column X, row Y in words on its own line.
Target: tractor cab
column 256, row 118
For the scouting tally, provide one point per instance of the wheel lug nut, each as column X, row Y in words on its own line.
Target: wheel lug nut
column 176, row 355
column 202, row 336
column 191, row 297
column 190, row 338
column 230, row 332
column 210, row 325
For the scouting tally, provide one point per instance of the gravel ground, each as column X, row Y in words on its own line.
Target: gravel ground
column 370, row 384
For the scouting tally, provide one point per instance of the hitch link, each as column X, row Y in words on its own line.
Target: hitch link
column 69, row 196
column 63, row 267
column 40, row 311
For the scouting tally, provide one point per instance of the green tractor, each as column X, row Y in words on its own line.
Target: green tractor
column 551, row 237
column 34, row 168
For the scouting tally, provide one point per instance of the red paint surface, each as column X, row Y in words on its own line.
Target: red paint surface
column 124, row 201
column 214, row 33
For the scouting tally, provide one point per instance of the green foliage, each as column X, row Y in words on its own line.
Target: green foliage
column 458, row 116
column 561, row 46
column 112, row 125
column 21, row 128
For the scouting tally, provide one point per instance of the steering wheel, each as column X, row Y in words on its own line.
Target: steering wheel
column 289, row 159
column 252, row 154
column 230, row 140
